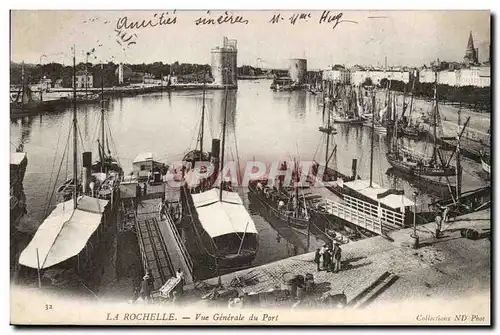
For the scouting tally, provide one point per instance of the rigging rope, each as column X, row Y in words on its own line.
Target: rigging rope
column 53, row 165
column 93, row 138
column 81, row 137
column 58, row 172
column 113, row 143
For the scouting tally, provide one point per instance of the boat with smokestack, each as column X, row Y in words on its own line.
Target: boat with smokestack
column 66, row 245
column 283, row 201
column 222, row 227
column 102, row 176
column 203, row 161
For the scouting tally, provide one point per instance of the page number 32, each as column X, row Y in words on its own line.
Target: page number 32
column 47, row 307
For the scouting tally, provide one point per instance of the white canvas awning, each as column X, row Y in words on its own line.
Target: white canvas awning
column 17, row 158
column 393, row 201
column 222, row 218
column 213, row 195
column 64, row 233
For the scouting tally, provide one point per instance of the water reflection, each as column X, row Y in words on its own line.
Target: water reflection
column 267, row 125
column 26, row 127
column 297, row 104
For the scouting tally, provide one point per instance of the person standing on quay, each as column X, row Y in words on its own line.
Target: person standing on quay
column 321, row 254
column 317, row 259
column 146, row 289
column 326, row 259
column 180, row 275
column 337, row 256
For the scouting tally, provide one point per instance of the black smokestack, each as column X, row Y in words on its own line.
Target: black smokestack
column 215, row 148
column 354, row 167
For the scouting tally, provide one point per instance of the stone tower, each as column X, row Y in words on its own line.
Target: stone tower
column 471, row 56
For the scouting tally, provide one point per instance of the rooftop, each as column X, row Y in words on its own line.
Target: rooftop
column 143, row 157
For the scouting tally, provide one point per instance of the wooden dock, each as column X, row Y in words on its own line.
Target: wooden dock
column 151, row 243
column 162, row 249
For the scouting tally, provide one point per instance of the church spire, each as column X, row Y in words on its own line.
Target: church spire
column 470, row 44
column 470, row 52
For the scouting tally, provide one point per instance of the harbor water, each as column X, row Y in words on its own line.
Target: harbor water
column 262, row 125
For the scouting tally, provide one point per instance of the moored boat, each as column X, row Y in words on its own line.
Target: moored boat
column 222, row 227
column 486, row 162
column 66, row 247
column 406, row 160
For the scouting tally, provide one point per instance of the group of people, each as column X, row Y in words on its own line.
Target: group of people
column 329, row 258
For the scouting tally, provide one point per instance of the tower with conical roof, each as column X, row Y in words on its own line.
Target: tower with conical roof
column 471, row 56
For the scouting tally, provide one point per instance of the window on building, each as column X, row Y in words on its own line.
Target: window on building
column 143, row 167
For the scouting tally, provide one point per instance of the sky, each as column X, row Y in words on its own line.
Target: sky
column 411, row 38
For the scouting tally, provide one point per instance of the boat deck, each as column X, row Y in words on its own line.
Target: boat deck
column 152, row 244
column 161, row 246
column 469, row 148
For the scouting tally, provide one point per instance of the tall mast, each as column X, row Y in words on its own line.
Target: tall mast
column 327, row 136
column 411, row 100
column 87, row 74
column 296, row 187
column 22, row 83
column 459, row 167
column 434, row 153
column 103, row 138
column 75, row 155
column 223, row 142
column 202, row 118
column 404, row 101
column 373, row 128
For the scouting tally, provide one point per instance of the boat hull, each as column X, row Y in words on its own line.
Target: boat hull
column 349, row 121
column 226, row 248
column 486, row 166
column 418, row 170
column 268, row 204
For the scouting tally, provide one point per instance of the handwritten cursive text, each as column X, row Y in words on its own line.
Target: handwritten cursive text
column 326, row 17
column 221, row 19
column 158, row 20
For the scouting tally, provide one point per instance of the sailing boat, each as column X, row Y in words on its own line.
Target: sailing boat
column 408, row 161
column 104, row 175
column 219, row 219
column 374, row 120
column 350, row 112
column 329, row 129
column 406, row 126
column 66, row 241
column 24, row 102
